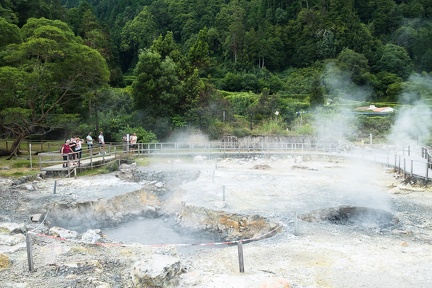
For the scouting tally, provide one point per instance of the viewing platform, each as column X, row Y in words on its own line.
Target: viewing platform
column 408, row 161
column 53, row 161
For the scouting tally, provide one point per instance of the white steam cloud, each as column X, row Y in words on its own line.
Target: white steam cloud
column 188, row 135
column 336, row 125
column 413, row 123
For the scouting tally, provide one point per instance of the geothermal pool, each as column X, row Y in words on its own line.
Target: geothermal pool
column 157, row 231
column 271, row 187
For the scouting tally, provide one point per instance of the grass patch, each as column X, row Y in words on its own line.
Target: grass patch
column 95, row 171
column 36, row 146
column 17, row 167
column 271, row 127
column 143, row 161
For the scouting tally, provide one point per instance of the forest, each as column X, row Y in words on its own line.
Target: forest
column 222, row 67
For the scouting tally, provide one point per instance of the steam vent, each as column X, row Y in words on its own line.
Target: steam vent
column 246, row 221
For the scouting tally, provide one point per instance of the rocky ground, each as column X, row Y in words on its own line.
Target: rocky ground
column 317, row 250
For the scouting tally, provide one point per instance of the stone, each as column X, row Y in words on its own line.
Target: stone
column 16, row 285
column 11, row 228
column 156, row 271
column 63, row 233
column 199, row 158
column 159, row 184
column 5, row 262
column 37, row 217
column 127, row 172
column 91, row 235
column 30, row 187
column 12, row 240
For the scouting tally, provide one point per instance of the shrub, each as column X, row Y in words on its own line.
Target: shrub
column 271, row 126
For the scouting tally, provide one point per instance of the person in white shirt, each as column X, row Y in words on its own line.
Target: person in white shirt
column 78, row 148
column 101, row 141
column 89, row 140
column 133, row 142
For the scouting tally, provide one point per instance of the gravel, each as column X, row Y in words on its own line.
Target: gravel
column 316, row 254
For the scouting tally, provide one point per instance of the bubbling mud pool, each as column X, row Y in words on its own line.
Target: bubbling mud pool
column 158, row 232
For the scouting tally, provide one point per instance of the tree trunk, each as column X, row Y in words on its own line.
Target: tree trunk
column 14, row 150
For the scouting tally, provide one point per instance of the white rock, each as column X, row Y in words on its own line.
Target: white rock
column 91, row 236
column 12, row 240
column 199, row 158
column 37, row 217
column 29, row 187
column 156, row 271
column 63, row 233
column 159, row 184
column 11, row 228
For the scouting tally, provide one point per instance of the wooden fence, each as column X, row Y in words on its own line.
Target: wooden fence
column 407, row 161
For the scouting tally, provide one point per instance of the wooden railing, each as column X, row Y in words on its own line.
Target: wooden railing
column 407, row 161
column 47, row 159
column 178, row 148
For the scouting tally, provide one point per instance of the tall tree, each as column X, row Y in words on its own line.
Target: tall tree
column 394, row 59
column 317, row 93
column 137, row 34
column 231, row 20
column 50, row 69
column 9, row 33
column 303, row 41
column 155, row 91
column 355, row 64
column 50, row 9
column 198, row 55
column 386, row 18
column 97, row 36
column 7, row 11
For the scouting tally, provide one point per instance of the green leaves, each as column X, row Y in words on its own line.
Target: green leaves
column 50, row 69
column 9, row 33
column 156, row 87
column 394, row 59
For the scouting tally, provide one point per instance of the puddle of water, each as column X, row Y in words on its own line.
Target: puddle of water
column 158, row 231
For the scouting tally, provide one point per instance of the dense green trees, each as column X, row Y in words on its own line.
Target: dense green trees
column 9, row 32
column 178, row 54
column 45, row 77
column 156, row 90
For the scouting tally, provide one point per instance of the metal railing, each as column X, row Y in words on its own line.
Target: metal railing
column 178, row 148
column 411, row 162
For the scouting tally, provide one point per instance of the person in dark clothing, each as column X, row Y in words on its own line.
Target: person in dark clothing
column 66, row 151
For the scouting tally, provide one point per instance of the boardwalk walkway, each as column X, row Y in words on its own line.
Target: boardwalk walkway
column 408, row 161
column 52, row 162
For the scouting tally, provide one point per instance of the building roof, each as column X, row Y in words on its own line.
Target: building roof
column 373, row 109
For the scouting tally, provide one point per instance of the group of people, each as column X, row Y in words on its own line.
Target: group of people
column 131, row 140
column 71, row 150
column 101, row 140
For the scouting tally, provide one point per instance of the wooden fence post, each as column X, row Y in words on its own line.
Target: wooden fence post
column 240, row 256
column 29, row 252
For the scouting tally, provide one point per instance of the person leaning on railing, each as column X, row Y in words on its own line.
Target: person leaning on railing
column 66, row 151
column 78, row 148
